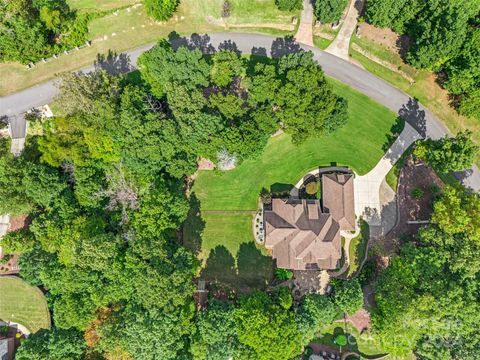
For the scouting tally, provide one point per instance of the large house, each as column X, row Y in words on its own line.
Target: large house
column 305, row 234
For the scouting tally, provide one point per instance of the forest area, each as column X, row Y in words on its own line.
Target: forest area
column 445, row 37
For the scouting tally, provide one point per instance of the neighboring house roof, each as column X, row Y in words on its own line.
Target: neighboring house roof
column 337, row 198
column 301, row 235
column 7, row 348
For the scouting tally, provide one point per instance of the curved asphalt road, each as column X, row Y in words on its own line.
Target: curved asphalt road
column 419, row 117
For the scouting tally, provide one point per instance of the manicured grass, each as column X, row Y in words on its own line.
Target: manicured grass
column 228, row 230
column 131, row 29
column 425, row 89
column 358, row 247
column 23, row 304
column 256, row 11
column 226, row 200
column 359, row 145
column 321, row 42
column 365, row 344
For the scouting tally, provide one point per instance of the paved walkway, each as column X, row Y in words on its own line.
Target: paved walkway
column 368, row 202
column 340, row 45
column 346, row 247
column 4, row 225
column 18, row 326
column 305, row 29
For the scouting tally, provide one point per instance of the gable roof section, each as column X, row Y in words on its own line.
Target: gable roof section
column 338, row 199
column 301, row 236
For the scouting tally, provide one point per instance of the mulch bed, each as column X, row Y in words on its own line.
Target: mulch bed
column 415, row 174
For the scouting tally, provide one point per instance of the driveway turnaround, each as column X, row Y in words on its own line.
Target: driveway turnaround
column 414, row 113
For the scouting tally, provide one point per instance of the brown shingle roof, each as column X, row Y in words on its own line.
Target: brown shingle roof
column 301, row 235
column 338, row 199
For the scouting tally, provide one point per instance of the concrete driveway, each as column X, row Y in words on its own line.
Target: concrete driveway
column 368, row 202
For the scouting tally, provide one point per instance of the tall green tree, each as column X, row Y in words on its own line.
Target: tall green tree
column 215, row 337
column 314, row 314
column 449, row 154
column 428, row 296
column 395, row 14
column 329, row 11
column 440, row 22
column 348, row 296
column 265, row 327
column 307, row 103
column 226, row 66
column 52, row 345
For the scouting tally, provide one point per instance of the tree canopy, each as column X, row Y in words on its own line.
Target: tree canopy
column 289, row 5
column 330, row 11
column 428, row 297
column 104, row 187
column 449, row 154
column 452, row 23
column 32, row 29
column 160, row 9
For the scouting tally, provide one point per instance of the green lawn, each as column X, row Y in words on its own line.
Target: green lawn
column 359, row 145
column 358, row 247
column 365, row 344
column 23, row 304
column 321, row 42
column 425, row 89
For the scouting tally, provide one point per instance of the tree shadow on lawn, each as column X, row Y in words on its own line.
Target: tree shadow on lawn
column 193, row 226
column 252, row 271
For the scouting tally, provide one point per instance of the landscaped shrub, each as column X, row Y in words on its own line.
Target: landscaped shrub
column 341, row 340
column 312, row 188
column 266, row 196
column 283, row 274
column 289, row 5
column 417, row 193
